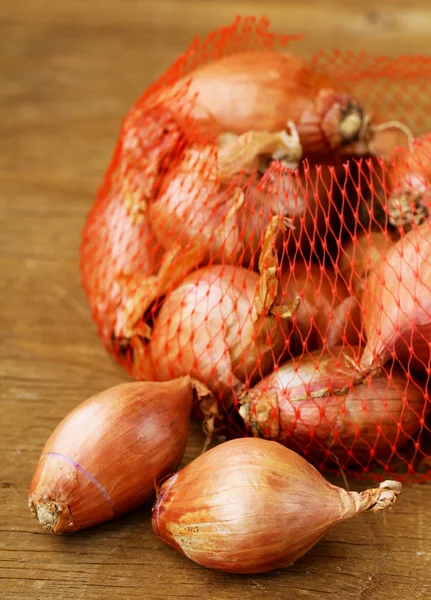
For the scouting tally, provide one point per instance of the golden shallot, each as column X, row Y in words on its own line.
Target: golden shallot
column 103, row 458
column 251, row 506
column 317, row 405
column 221, row 326
column 396, row 305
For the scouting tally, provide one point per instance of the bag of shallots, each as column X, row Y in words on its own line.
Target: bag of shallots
column 264, row 226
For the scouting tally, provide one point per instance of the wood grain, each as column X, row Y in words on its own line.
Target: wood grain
column 69, row 70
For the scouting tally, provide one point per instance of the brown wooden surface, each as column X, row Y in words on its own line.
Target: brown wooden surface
column 69, row 70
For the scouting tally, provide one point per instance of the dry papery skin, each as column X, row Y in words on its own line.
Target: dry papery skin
column 251, row 506
column 103, row 458
column 112, row 246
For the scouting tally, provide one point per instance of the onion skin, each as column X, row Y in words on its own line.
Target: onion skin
column 326, row 315
column 194, row 209
column 361, row 254
column 390, row 141
column 103, row 458
column 113, row 245
column 263, row 90
column 207, row 328
column 397, row 319
column 117, row 240
column 318, row 406
column 151, row 143
column 252, row 506
column 418, row 162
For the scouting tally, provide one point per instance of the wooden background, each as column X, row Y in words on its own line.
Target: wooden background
column 69, row 70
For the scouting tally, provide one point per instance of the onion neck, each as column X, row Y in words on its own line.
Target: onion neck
column 377, row 499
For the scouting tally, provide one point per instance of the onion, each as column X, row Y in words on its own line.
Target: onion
column 396, row 315
column 361, row 254
column 195, row 210
column 318, row 405
column 124, row 270
column 264, row 90
column 220, row 325
column 112, row 247
column 326, row 316
column 214, row 197
column 118, row 247
column 227, row 222
column 103, row 458
column 251, row 506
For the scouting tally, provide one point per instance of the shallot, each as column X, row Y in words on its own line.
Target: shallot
column 311, row 197
column 396, row 304
column 221, row 326
column 119, row 254
column 113, row 246
column 318, row 405
column 227, row 221
column 245, row 110
column 251, row 506
column 264, row 90
column 103, row 458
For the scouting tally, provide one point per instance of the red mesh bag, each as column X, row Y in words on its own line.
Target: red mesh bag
column 264, row 226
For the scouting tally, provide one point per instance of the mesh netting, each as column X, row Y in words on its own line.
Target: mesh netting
column 262, row 230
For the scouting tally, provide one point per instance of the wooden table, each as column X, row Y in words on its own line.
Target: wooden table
column 69, row 71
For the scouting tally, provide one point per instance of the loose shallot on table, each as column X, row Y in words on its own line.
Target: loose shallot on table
column 251, row 506
column 103, row 458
